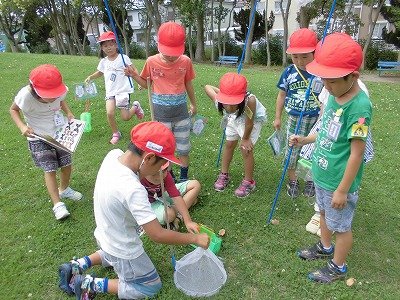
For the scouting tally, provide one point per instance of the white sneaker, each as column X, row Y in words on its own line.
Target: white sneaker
column 313, row 225
column 60, row 211
column 69, row 193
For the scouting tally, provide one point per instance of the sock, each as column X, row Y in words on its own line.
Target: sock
column 184, row 173
column 84, row 263
column 100, row 285
column 328, row 249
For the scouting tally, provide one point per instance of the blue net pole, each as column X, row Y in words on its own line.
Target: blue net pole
column 307, row 96
column 114, row 29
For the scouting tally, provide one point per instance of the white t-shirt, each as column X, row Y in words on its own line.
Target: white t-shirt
column 38, row 115
column 116, row 82
column 120, row 205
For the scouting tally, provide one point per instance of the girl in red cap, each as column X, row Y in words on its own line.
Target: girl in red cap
column 41, row 103
column 118, row 87
column 243, row 118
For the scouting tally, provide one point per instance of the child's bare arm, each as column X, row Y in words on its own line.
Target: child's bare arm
column 93, row 76
column 133, row 72
column 182, row 209
column 15, row 113
column 67, row 110
column 192, row 97
column 249, row 112
column 353, row 165
column 211, row 91
column 280, row 103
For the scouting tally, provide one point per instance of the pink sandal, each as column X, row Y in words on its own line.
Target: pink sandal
column 115, row 138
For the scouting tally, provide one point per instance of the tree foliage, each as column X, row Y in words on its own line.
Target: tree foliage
column 392, row 15
column 243, row 17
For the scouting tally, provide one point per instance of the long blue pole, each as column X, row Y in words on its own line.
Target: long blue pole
column 307, row 96
column 116, row 36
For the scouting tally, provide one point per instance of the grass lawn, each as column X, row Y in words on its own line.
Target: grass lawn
column 260, row 259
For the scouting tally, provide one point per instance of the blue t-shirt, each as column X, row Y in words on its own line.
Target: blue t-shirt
column 295, row 87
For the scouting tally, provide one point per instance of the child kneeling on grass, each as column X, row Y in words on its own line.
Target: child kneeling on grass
column 243, row 115
column 121, row 205
column 337, row 165
column 179, row 197
column 41, row 103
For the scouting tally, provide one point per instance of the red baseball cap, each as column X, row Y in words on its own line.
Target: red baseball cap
column 155, row 137
column 47, row 81
column 232, row 89
column 303, row 40
column 106, row 36
column 337, row 57
column 171, row 39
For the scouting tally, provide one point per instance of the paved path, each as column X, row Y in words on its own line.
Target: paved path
column 384, row 78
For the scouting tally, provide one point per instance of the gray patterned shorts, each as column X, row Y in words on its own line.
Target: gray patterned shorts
column 47, row 157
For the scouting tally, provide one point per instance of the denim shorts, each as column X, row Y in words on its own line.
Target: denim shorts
column 181, row 131
column 338, row 220
column 138, row 277
column 48, row 158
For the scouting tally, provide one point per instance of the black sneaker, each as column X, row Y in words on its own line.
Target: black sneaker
column 66, row 272
column 293, row 188
column 83, row 287
column 309, row 189
column 328, row 274
column 315, row 252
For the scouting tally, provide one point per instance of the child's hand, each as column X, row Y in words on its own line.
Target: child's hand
column 296, row 141
column 131, row 71
column 192, row 110
column 339, row 200
column 277, row 124
column 88, row 79
column 202, row 240
column 26, row 131
column 70, row 116
column 192, row 227
column 246, row 145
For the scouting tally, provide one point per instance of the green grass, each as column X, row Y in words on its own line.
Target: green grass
column 260, row 260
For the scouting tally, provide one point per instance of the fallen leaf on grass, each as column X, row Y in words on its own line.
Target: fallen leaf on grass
column 274, row 222
column 221, row 232
column 350, row 281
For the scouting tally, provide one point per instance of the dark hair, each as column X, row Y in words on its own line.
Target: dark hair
column 133, row 148
column 101, row 53
column 33, row 92
column 241, row 106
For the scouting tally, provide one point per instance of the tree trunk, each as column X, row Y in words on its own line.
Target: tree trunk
column 226, row 35
column 267, row 35
column 371, row 23
column 304, row 18
column 344, row 20
column 285, row 15
column 190, row 42
column 153, row 13
column 250, row 32
column 199, row 55
column 212, row 31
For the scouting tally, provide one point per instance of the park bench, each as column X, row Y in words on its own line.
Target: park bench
column 388, row 66
column 227, row 60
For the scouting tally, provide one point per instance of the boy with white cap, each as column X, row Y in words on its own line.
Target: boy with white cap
column 337, row 165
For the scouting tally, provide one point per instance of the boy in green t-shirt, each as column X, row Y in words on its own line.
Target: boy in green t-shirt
column 338, row 157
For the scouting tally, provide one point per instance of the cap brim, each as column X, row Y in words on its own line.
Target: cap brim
column 229, row 99
column 53, row 93
column 298, row 50
column 171, row 51
column 172, row 159
column 107, row 39
column 323, row 71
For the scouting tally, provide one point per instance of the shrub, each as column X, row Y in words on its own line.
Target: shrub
column 378, row 50
column 275, row 46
